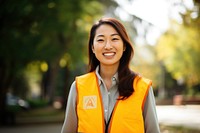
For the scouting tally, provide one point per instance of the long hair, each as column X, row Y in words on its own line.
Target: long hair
column 126, row 76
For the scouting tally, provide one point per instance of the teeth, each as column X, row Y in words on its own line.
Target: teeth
column 108, row 54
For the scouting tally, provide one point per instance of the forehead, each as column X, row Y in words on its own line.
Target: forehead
column 105, row 29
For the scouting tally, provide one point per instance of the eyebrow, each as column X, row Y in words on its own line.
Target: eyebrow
column 111, row 35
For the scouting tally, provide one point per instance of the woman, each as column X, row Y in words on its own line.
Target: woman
column 110, row 97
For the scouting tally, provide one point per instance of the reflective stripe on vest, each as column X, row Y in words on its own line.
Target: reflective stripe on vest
column 127, row 114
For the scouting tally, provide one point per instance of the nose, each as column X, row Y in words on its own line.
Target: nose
column 108, row 45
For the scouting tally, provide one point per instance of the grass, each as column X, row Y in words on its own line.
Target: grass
column 41, row 112
column 177, row 129
column 40, row 115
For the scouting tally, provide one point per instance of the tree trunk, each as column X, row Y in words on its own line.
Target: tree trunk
column 51, row 85
column 6, row 76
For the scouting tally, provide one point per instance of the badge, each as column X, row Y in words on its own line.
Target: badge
column 89, row 102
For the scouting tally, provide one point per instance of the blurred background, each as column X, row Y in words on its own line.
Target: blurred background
column 43, row 46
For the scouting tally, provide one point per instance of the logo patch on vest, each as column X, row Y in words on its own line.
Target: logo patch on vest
column 89, row 102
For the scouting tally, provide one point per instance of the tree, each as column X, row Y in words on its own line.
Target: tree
column 182, row 50
column 41, row 31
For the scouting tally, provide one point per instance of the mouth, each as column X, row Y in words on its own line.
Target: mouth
column 109, row 54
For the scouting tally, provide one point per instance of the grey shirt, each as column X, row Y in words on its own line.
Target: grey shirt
column 109, row 99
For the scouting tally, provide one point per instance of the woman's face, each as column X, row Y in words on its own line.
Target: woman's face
column 108, row 46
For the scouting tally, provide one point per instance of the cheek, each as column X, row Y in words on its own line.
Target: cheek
column 92, row 48
column 121, row 50
column 120, row 47
column 96, row 48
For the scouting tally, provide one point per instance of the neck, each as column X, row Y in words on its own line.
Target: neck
column 107, row 72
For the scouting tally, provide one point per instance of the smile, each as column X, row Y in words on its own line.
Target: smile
column 109, row 54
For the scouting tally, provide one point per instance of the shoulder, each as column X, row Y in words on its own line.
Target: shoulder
column 87, row 75
column 142, row 80
column 86, row 78
column 141, row 83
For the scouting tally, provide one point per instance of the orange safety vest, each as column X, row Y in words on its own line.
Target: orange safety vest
column 127, row 114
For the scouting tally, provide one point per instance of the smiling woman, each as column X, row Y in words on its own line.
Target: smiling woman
column 108, row 46
column 110, row 97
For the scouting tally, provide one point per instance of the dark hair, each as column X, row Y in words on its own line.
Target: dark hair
column 126, row 76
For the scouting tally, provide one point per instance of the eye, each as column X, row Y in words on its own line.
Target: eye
column 100, row 40
column 115, row 39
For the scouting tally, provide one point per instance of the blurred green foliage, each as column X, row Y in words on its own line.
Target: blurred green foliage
column 37, row 103
column 179, row 50
column 13, row 108
column 43, row 39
